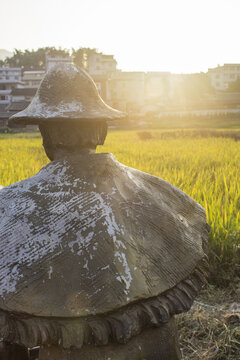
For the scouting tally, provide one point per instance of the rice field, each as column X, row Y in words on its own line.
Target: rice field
column 206, row 168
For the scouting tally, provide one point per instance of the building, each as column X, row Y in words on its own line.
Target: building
column 101, row 68
column 101, row 65
column 159, row 88
column 32, row 78
column 50, row 62
column 10, row 78
column 127, row 91
column 23, row 94
column 15, row 107
column 221, row 76
column 132, row 92
column 226, row 99
column 4, row 115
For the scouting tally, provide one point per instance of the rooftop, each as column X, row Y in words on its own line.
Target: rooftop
column 16, row 106
column 3, row 112
column 5, row 81
column 33, row 71
column 24, row 91
column 10, row 69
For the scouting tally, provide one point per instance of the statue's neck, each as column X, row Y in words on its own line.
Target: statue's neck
column 62, row 153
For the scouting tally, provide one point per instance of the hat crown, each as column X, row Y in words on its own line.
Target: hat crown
column 65, row 83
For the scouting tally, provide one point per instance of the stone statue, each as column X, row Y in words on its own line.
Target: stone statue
column 96, row 257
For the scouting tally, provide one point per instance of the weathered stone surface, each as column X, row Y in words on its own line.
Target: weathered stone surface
column 13, row 352
column 88, row 236
column 153, row 344
column 118, row 326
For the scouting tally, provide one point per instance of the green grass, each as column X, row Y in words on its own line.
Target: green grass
column 206, row 168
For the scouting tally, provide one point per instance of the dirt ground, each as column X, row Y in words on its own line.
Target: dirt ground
column 211, row 329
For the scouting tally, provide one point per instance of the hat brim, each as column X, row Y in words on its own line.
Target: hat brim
column 35, row 115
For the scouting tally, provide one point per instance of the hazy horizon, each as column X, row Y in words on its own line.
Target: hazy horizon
column 180, row 37
column 126, row 70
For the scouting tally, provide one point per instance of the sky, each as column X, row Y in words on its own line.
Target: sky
column 180, row 36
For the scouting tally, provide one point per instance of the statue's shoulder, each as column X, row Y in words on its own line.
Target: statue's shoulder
column 19, row 188
column 158, row 188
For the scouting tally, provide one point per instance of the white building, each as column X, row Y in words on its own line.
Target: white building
column 221, row 76
column 102, row 68
column 32, row 78
column 50, row 62
column 158, row 86
column 10, row 78
column 99, row 64
column 126, row 91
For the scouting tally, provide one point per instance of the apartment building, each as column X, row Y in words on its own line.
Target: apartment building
column 10, row 78
column 52, row 61
column 100, row 64
column 221, row 76
column 126, row 90
column 32, row 78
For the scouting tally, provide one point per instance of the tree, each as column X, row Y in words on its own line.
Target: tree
column 37, row 58
column 33, row 58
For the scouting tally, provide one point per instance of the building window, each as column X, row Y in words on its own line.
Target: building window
column 3, row 98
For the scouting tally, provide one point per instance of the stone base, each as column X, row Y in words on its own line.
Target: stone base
column 152, row 344
column 13, row 352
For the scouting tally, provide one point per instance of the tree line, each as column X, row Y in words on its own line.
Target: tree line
column 33, row 59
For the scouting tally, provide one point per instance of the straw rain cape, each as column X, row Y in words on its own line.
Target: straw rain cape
column 101, row 248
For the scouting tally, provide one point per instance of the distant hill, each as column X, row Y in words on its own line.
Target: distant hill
column 5, row 53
